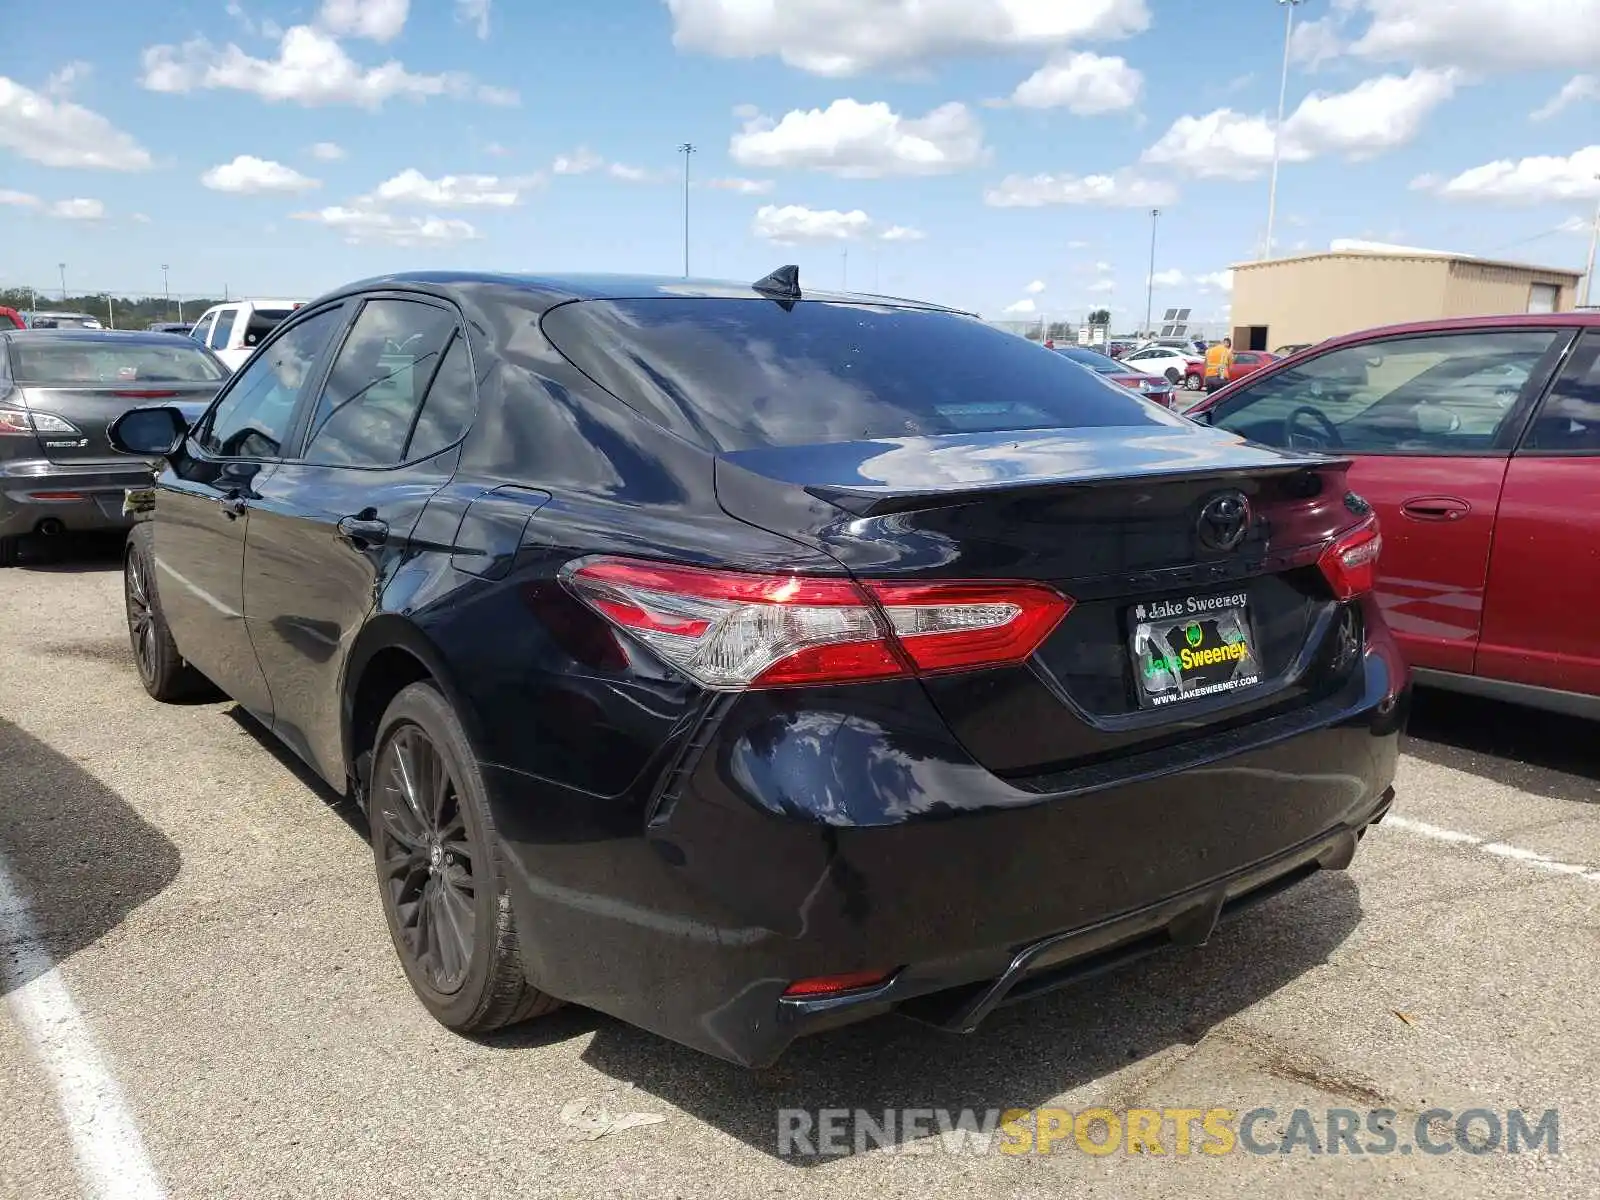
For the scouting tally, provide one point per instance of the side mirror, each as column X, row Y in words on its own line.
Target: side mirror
column 149, row 432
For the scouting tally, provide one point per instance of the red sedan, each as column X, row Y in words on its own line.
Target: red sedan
column 1477, row 440
column 1151, row 387
column 11, row 318
column 1244, row 362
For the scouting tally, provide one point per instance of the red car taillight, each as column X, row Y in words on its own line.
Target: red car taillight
column 731, row 630
column 1350, row 564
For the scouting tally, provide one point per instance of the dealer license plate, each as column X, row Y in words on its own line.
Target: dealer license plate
column 1192, row 646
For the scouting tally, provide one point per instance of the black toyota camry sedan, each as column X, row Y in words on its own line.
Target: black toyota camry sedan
column 742, row 660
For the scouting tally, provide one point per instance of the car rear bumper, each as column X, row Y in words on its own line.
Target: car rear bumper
column 36, row 492
column 761, row 861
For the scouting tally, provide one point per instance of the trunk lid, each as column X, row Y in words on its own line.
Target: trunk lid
column 1123, row 521
column 90, row 411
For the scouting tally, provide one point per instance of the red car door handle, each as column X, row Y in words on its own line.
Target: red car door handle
column 1435, row 508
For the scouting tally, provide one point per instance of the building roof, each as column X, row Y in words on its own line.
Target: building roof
column 1346, row 248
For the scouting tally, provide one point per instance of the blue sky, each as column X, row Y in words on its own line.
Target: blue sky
column 995, row 154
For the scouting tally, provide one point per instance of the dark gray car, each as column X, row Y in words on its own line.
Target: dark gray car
column 59, row 389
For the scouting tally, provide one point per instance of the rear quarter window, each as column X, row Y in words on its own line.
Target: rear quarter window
column 742, row 374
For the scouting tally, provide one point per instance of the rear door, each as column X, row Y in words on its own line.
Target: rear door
column 1539, row 624
column 1430, row 420
column 328, row 527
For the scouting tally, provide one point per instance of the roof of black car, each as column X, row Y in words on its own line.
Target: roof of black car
column 558, row 289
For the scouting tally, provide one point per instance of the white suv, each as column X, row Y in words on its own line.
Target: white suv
column 233, row 331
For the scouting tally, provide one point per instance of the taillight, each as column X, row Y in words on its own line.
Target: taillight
column 1350, row 564
column 20, row 422
column 833, row 985
column 731, row 630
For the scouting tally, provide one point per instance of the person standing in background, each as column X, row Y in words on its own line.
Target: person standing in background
column 1219, row 362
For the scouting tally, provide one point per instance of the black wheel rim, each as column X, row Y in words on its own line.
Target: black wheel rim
column 426, row 858
column 141, row 618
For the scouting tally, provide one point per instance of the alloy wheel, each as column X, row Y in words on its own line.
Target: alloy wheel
column 426, row 858
column 141, row 617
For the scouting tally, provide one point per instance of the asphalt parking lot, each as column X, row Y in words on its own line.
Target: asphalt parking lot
column 210, row 915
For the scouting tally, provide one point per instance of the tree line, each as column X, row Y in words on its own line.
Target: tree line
column 125, row 312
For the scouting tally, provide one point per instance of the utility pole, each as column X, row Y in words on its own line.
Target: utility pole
column 1150, row 279
column 180, row 309
column 686, row 149
column 166, row 296
column 1594, row 241
column 1277, row 130
column 62, row 267
column 111, row 316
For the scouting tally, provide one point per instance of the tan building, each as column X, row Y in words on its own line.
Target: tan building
column 1285, row 301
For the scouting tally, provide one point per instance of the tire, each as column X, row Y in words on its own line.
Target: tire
column 1191, row 383
column 1172, row 375
column 435, row 849
column 8, row 552
column 162, row 670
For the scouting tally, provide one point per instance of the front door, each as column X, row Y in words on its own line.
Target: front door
column 1428, row 420
column 1541, row 623
column 204, row 508
column 331, row 527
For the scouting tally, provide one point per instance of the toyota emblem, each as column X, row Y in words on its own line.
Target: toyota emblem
column 1224, row 521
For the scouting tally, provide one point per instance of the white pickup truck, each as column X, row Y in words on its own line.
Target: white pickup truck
column 234, row 330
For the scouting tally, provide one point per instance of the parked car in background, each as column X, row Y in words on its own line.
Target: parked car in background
column 180, row 327
column 1245, row 362
column 59, row 390
column 11, row 318
column 234, row 330
column 1151, row 387
column 742, row 663
column 1477, row 440
column 1116, row 349
column 63, row 320
column 1166, row 361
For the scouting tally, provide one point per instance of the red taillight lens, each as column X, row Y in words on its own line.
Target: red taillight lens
column 832, row 985
column 1350, row 564
column 14, row 422
column 730, row 630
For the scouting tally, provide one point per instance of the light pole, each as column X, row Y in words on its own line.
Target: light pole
column 686, row 150
column 1594, row 241
column 111, row 316
column 1277, row 130
column 63, row 269
column 1150, row 279
column 166, row 295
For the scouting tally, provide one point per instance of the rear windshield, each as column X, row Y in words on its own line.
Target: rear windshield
column 753, row 373
column 1103, row 363
column 65, row 363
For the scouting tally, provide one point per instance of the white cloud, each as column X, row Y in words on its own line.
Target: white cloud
column 476, row 14
column 841, row 37
column 327, row 151
column 1121, row 190
column 19, row 199
column 1581, row 225
column 59, row 133
column 500, row 97
column 1104, row 268
column 140, row 219
column 1103, row 285
column 796, row 223
column 411, row 186
column 1376, row 115
column 1022, row 307
column 1082, row 83
column 1313, row 42
column 862, row 141
column 1076, row 245
column 901, row 233
column 629, row 174
column 1483, row 34
column 1169, row 278
column 1539, row 179
column 1034, row 288
column 360, row 225
column 1221, row 281
column 580, row 162
column 743, row 187
column 62, row 82
column 379, row 20
column 1576, row 89
column 497, row 150
column 311, row 69
column 78, row 210
column 248, row 175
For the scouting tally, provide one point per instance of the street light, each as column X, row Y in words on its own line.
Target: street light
column 1277, row 130
column 1594, row 241
column 1150, row 279
column 686, row 150
column 166, row 295
column 63, row 269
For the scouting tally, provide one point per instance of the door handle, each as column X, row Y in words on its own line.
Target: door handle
column 362, row 532
column 1435, row 508
column 233, row 507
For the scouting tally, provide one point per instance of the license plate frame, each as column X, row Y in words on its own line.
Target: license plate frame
column 1183, row 648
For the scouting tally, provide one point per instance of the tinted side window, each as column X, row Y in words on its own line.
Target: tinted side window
column 365, row 413
column 739, row 374
column 449, row 408
column 202, row 331
column 224, row 329
column 1569, row 421
column 253, row 419
column 1432, row 394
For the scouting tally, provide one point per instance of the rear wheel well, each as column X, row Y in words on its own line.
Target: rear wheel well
column 386, row 673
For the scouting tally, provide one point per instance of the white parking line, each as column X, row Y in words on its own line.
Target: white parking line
column 111, row 1154
column 1530, row 858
